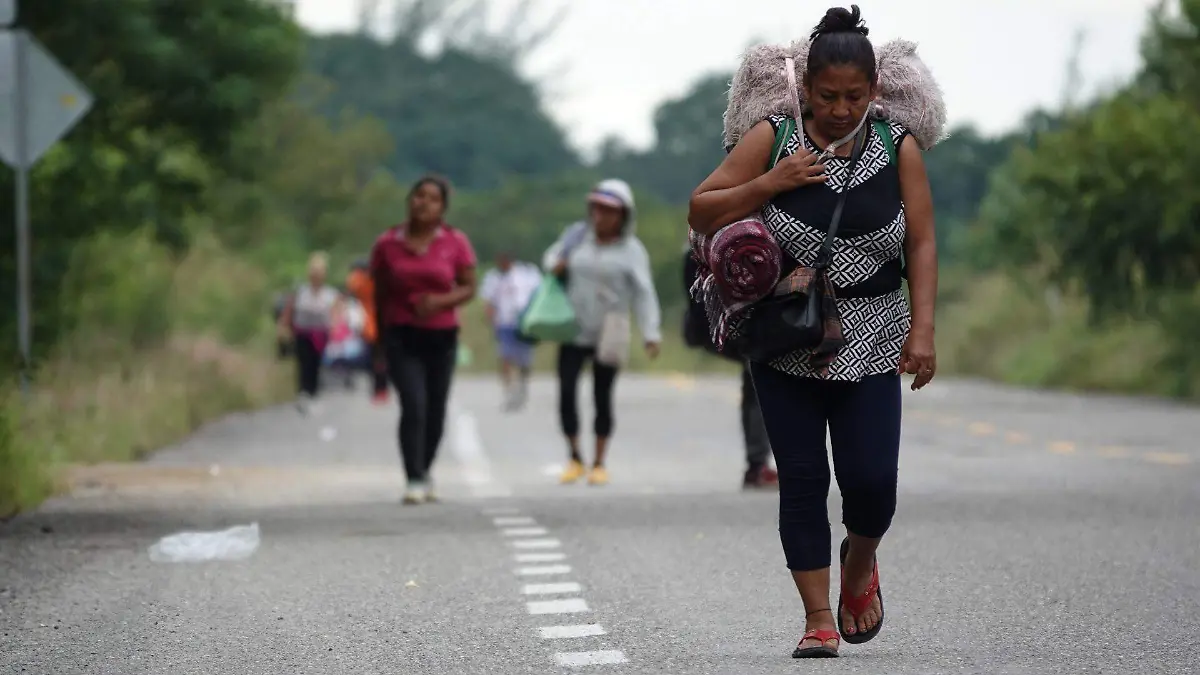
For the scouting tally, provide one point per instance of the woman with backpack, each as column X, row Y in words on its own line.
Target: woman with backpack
column 607, row 273
column 423, row 270
column 843, row 213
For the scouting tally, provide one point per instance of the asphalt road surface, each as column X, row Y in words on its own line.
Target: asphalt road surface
column 1036, row 533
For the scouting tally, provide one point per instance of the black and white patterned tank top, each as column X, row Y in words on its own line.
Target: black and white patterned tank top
column 866, row 266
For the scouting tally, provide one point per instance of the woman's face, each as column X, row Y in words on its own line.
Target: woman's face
column 607, row 220
column 316, row 275
column 838, row 97
column 426, row 204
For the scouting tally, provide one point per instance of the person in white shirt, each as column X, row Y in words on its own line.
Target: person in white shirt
column 506, row 291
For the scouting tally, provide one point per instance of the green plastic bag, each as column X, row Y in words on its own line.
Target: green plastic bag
column 549, row 315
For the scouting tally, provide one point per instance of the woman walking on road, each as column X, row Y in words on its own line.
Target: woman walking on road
column 856, row 394
column 607, row 272
column 308, row 319
column 423, row 270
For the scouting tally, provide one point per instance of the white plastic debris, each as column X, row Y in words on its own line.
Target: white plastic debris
column 328, row 434
column 236, row 543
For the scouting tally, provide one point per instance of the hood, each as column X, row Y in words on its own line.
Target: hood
column 616, row 192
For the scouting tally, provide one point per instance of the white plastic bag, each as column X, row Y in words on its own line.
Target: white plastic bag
column 612, row 349
column 236, row 543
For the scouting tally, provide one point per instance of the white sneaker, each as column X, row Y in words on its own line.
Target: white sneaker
column 415, row 494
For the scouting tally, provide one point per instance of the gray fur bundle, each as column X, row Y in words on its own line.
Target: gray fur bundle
column 910, row 94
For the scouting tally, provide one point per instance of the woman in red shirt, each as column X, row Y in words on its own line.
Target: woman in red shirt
column 423, row 271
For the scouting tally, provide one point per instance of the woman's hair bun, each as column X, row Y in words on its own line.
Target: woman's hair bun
column 841, row 20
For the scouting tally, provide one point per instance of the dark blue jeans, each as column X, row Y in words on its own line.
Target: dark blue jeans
column 863, row 421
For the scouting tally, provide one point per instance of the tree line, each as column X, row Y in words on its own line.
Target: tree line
column 222, row 121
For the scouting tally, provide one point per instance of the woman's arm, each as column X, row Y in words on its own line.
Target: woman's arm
column 554, row 260
column 464, row 290
column 742, row 184
column 645, row 298
column 920, row 250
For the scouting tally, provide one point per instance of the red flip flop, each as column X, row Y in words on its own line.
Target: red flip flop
column 821, row 651
column 858, row 605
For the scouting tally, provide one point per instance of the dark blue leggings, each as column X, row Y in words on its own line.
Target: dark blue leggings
column 863, row 419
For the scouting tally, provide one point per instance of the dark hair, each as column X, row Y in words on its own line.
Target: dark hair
column 435, row 180
column 841, row 38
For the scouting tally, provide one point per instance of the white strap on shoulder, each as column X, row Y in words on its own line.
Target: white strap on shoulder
column 789, row 69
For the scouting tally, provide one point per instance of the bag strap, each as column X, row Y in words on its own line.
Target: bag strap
column 885, row 134
column 826, row 254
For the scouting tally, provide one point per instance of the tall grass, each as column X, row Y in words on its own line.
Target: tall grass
column 157, row 347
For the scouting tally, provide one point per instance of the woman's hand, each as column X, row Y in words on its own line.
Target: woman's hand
column 652, row 350
column 560, row 268
column 918, row 358
column 795, row 171
column 428, row 305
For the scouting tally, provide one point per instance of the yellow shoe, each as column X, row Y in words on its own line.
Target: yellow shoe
column 572, row 473
column 598, row 476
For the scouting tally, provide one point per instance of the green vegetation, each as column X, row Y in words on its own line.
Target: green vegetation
column 226, row 144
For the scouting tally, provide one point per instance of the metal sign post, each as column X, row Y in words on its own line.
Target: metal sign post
column 39, row 102
column 20, row 123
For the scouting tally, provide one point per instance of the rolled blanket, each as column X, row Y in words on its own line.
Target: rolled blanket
column 739, row 265
column 745, row 261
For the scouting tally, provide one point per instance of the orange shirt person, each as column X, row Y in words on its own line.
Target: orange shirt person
column 362, row 287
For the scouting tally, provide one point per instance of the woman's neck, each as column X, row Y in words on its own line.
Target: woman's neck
column 822, row 141
column 419, row 229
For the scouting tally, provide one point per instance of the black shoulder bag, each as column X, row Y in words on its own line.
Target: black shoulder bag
column 800, row 314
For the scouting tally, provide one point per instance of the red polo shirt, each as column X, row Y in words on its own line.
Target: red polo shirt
column 408, row 275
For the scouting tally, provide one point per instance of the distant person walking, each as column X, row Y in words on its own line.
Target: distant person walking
column 307, row 319
column 423, row 271
column 759, row 474
column 360, row 285
column 607, row 273
column 506, row 290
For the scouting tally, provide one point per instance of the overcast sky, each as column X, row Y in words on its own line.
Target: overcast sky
column 613, row 61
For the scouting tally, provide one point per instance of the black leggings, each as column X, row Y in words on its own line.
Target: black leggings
column 570, row 364
column 863, row 419
column 421, row 366
column 308, row 365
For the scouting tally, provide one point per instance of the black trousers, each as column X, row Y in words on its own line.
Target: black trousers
column 863, row 422
column 421, row 367
column 308, row 365
column 571, row 359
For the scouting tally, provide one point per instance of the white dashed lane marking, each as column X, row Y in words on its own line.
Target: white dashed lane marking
column 551, row 589
column 567, row 632
column 525, row 532
column 513, row 521
column 565, row 606
column 531, row 544
column 540, row 557
column 543, row 570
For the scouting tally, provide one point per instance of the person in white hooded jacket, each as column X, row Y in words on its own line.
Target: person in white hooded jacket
column 607, row 274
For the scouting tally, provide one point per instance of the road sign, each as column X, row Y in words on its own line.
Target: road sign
column 54, row 100
column 39, row 102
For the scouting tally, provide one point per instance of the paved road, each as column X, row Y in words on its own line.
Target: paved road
column 1037, row 533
